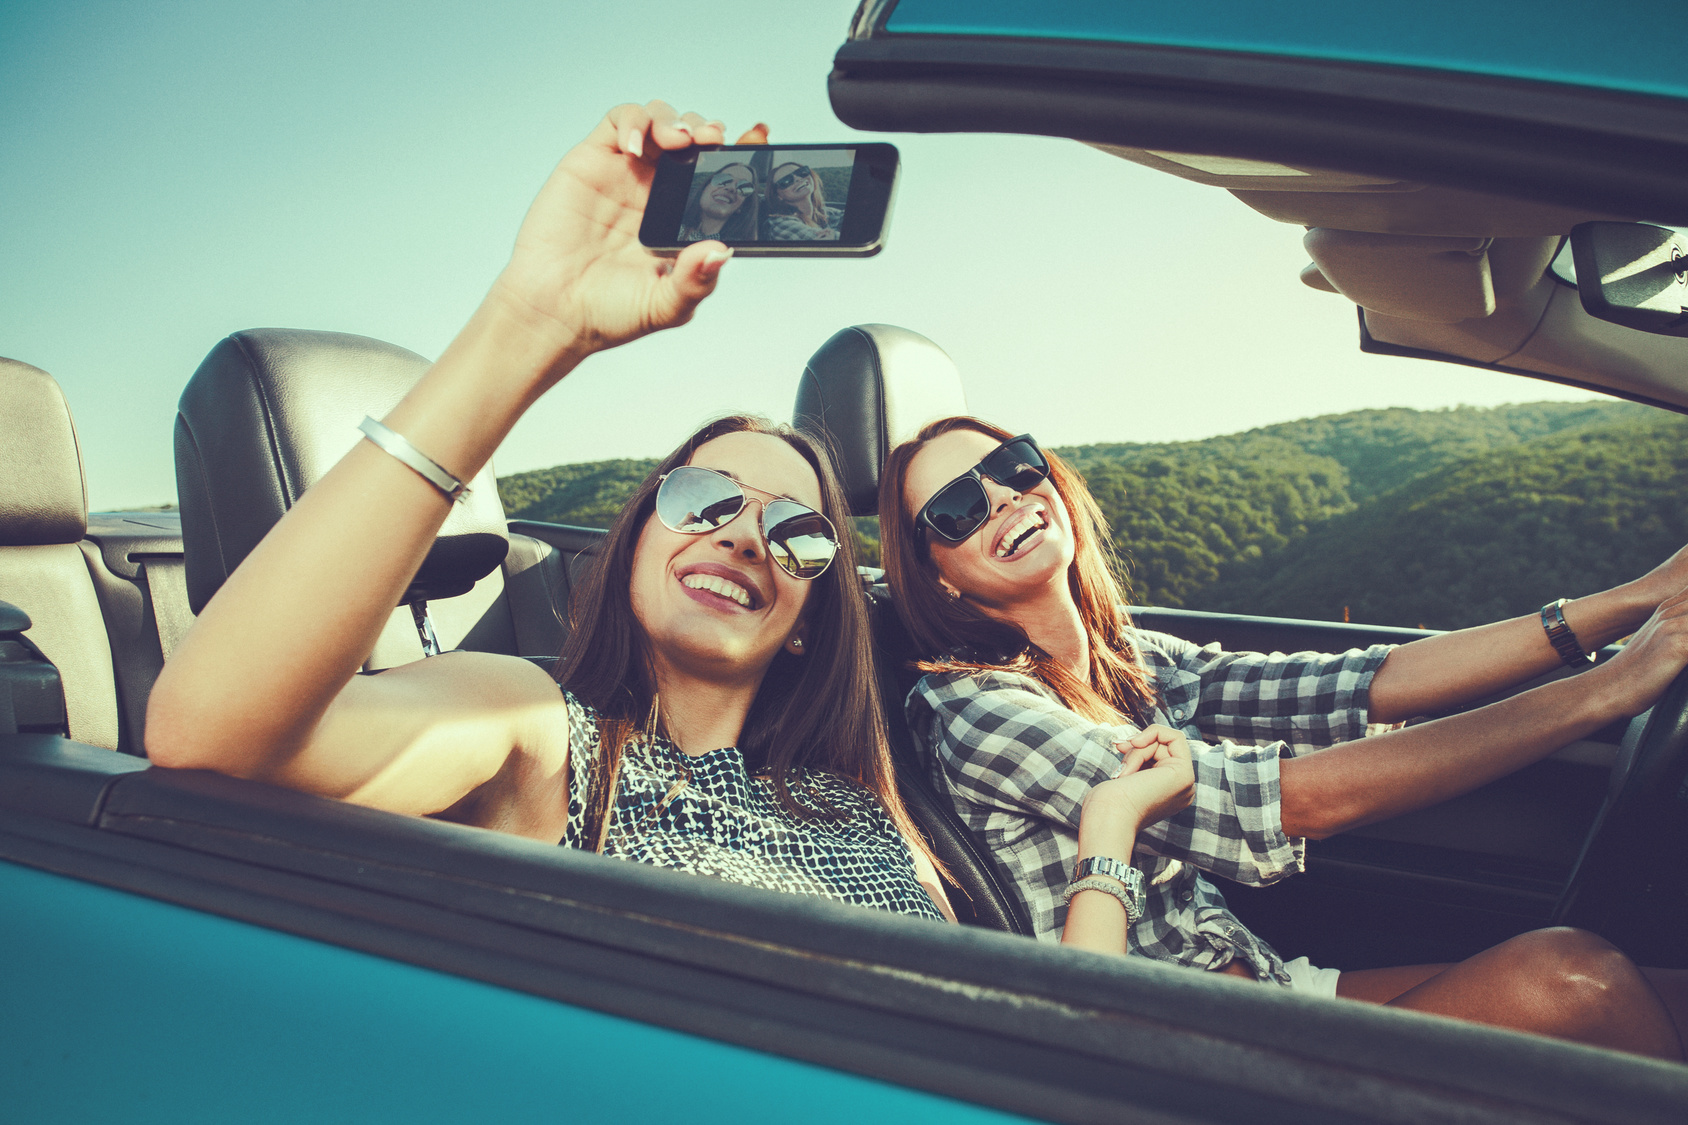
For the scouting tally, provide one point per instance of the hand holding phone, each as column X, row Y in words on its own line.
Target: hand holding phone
column 812, row 200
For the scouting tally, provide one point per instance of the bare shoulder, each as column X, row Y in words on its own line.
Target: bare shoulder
column 473, row 678
column 421, row 737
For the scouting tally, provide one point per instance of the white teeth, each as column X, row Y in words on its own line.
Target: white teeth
column 717, row 586
column 1024, row 524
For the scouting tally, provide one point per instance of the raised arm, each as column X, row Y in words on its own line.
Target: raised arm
column 1436, row 674
column 1373, row 779
column 248, row 690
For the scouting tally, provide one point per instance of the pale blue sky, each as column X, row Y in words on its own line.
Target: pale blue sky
column 174, row 171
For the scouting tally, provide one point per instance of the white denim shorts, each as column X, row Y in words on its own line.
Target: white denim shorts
column 1304, row 976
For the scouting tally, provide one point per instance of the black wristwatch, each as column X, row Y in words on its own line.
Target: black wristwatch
column 1562, row 638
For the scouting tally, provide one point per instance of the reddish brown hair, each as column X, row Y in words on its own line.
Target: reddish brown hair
column 820, row 711
column 958, row 636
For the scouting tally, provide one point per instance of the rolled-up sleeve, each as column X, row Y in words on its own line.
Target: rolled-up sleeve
column 1234, row 825
column 1307, row 700
column 1003, row 741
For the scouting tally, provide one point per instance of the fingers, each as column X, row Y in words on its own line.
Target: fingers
column 757, row 134
column 693, row 278
column 1133, row 757
column 629, row 126
column 1157, row 734
column 1154, row 732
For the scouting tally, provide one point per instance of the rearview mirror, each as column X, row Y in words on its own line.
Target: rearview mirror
column 1634, row 274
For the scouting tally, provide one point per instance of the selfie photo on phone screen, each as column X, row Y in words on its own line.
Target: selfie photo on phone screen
column 771, row 200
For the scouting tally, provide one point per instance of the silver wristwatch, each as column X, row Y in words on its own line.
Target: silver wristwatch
column 1123, row 881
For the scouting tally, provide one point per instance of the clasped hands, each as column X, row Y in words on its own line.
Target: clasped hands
column 1155, row 779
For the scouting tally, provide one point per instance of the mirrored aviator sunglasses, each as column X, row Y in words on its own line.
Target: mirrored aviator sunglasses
column 693, row 500
column 962, row 506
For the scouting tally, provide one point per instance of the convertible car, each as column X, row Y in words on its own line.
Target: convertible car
column 1491, row 184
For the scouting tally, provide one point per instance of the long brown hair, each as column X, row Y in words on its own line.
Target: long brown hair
column 820, row 711
column 817, row 194
column 959, row 636
column 741, row 224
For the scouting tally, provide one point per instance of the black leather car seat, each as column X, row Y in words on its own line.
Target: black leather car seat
column 868, row 388
column 270, row 411
column 43, row 518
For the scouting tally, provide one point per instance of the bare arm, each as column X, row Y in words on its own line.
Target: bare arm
column 262, row 685
column 1373, row 779
column 928, row 878
column 1095, row 919
column 1437, row 674
column 1154, row 781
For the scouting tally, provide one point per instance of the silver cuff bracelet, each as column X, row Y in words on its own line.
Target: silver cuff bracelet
column 426, row 467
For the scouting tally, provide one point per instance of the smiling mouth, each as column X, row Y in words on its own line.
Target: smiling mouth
column 721, row 587
column 1024, row 525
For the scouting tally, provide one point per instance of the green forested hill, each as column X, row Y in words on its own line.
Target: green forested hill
column 587, row 495
column 1180, row 513
column 1489, row 537
column 1443, row 518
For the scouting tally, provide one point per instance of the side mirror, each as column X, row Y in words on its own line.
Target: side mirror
column 1634, row 274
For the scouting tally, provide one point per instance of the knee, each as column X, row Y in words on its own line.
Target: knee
column 1572, row 976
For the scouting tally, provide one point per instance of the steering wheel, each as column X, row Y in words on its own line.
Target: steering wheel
column 1630, row 883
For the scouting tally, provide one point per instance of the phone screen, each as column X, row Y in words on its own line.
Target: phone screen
column 790, row 200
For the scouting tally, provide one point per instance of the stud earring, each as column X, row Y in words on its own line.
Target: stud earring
column 797, row 642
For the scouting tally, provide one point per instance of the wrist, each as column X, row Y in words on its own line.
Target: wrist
column 544, row 346
column 1595, row 699
column 1108, row 829
column 1599, row 619
column 496, row 367
column 1113, row 878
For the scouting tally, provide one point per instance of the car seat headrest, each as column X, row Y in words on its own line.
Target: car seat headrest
column 267, row 414
column 43, row 496
column 868, row 389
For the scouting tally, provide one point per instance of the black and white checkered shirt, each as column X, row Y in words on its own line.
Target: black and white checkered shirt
column 1017, row 764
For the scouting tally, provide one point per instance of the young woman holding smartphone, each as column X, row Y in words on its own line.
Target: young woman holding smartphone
column 718, row 711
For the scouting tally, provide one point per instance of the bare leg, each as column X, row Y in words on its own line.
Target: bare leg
column 1380, row 986
column 1672, row 987
column 1561, row 982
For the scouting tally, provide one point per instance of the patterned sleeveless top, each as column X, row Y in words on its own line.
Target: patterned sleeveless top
column 728, row 824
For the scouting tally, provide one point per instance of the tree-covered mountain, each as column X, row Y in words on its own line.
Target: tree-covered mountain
column 1492, row 536
column 1408, row 517
column 586, row 495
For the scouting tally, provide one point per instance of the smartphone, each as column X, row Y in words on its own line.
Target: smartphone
column 784, row 201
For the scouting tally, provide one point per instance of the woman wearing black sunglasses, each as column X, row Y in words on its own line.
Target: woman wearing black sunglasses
column 1040, row 691
column 797, row 206
column 724, row 204
column 718, row 711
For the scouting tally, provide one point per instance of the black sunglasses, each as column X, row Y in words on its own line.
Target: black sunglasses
column 745, row 187
column 961, row 507
column 790, row 178
column 692, row 500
